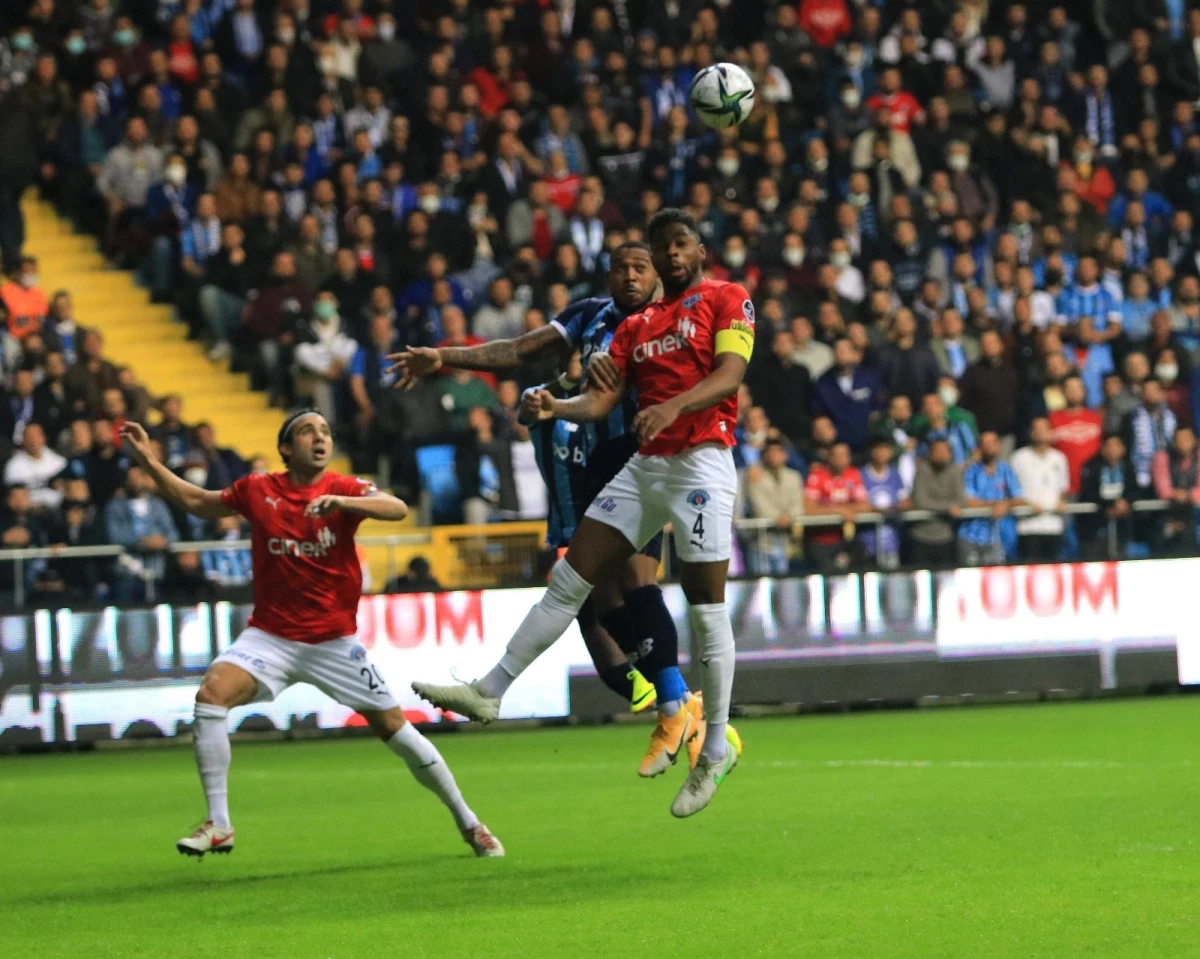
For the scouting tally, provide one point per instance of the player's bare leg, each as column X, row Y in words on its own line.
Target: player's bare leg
column 594, row 548
column 224, row 687
column 704, row 586
column 430, row 770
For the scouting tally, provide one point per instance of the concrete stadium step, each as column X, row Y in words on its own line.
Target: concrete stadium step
column 147, row 337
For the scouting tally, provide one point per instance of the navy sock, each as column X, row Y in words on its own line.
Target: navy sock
column 659, row 661
column 619, row 625
column 617, row 679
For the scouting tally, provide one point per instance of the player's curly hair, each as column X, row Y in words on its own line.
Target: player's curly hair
column 668, row 216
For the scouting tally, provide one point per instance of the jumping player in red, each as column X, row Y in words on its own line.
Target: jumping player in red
column 685, row 355
column 307, row 585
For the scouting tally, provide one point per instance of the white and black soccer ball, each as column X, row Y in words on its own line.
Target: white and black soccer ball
column 722, row 95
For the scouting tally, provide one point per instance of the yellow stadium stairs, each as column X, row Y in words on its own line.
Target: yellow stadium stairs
column 147, row 337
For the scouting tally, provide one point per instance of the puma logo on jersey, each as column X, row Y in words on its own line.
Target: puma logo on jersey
column 325, row 541
column 273, row 501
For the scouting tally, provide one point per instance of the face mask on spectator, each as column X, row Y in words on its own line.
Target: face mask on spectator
column 769, row 204
column 430, row 203
column 387, row 31
column 958, row 162
column 854, row 59
column 851, row 98
column 123, row 37
column 196, row 475
column 728, row 166
column 325, row 310
column 286, row 37
column 176, row 174
column 1167, row 372
column 327, row 64
column 735, row 258
column 793, row 256
column 841, row 259
column 858, row 200
column 821, row 164
column 1083, row 157
column 76, row 45
column 29, row 280
column 477, row 213
column 949, row 395
column 23, row 42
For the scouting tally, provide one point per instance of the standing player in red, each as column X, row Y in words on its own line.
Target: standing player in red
column 685, row 355
column 307, row 585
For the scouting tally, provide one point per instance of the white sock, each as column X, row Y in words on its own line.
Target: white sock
column 210, row 737
column 541, row 628
column 426, row 764
column 712, row 639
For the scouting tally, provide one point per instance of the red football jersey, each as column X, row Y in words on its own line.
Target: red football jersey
column 307, row 579
column 1077, row 435
column 830, row 490
column 672, row 345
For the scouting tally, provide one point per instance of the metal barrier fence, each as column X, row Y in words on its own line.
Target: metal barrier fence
column 512, row 554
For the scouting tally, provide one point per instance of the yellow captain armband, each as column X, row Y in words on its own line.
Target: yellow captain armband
column 739, row 339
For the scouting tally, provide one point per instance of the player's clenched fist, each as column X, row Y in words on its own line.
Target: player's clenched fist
column 139, row 443
column 413, row 364
column 323, row 505
column 538, row 405
column 653, row 420
column 602, row 372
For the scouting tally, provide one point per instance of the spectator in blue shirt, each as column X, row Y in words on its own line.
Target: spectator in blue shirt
column 1094, row 315
column 1158, row 208
column 1138, row 307
column 990, row 482
column 141, row 522
column 849, row 394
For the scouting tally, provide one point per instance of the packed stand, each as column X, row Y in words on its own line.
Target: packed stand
column 968, row 230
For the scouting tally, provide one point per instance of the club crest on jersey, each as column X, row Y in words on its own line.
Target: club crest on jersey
column 698, row 498
column 691, row 301
column 358, row 654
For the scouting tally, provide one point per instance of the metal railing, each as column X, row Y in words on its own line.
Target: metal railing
column 517, row 558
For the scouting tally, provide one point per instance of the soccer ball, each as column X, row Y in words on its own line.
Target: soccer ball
column 722, row 95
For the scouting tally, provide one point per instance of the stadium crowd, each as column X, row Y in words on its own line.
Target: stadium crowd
column 968, row 228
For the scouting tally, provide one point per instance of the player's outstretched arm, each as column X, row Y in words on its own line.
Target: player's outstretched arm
column 413, row 364
column 590, row 406
column 189, row 497
column 383, row 506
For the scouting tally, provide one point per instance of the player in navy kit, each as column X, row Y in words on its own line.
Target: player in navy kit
column 629, row 603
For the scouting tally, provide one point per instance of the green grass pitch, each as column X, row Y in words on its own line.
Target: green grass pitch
column 1020, row 831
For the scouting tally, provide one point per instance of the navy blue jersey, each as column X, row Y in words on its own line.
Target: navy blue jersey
column 588, row 326
column 561, row 456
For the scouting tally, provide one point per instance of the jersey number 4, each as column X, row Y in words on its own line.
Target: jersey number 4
column 698, row 527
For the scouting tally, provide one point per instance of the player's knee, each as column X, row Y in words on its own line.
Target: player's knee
column 209, row 694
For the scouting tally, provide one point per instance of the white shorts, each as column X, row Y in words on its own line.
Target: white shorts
column 340, row 668
column 693, row 491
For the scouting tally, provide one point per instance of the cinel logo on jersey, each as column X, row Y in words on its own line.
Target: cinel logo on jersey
column 325, row 541
column 666, row 344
